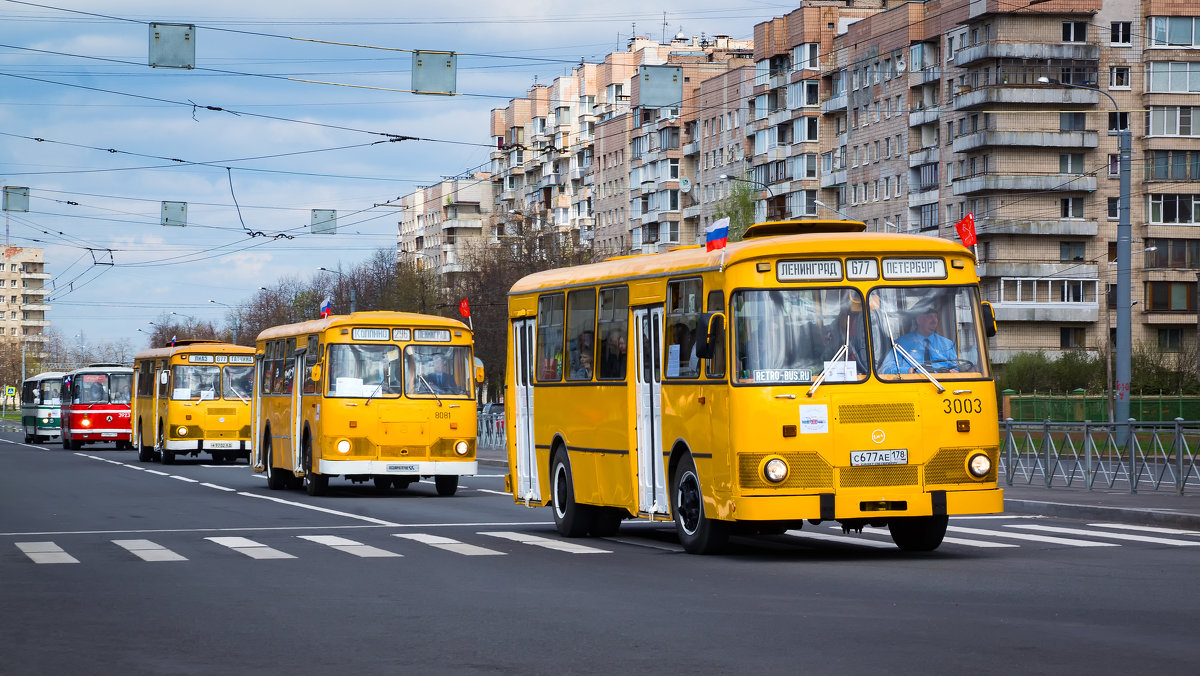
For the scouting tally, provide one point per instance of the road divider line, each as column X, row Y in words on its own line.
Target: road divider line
column 315, row 508
column 183, row 478
column 220, row 488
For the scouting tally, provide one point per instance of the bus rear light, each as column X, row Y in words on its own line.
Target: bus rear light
column 461, row 448
column 775, row 470
column 979, row 465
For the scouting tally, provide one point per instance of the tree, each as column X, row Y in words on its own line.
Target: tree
column 738, row 207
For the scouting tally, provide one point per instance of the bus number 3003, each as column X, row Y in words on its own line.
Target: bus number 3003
column 963, row 405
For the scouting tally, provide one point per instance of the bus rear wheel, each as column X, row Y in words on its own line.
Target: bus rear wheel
column 314, row 484
column 918, row 533
column 697, row 533
column 570, row 518
column 276, row 479
column 606, row 521
column 145, row 453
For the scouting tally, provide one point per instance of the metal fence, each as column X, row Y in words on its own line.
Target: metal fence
column 1068, row 407
column 1134, row 456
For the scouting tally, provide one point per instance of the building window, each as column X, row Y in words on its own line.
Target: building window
column 1071, row 337
column 1070, row 163
column 1071, row 207
column 1118, row 122
column 809, row 127
column 1174, row 208
column 1074, row 31
column 1121, row 33
column 1174, row 31
column 1176, row 254
column 1170, row 340
column 1114, row 206
column 1173, row 165
column 1118, row 77
column 1070, row 251
column 1171, row 296
column 1114, row 165
column 1173, row 121
column 1072, row 121
column 1173, row 76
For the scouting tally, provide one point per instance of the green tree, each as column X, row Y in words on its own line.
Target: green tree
column 738, row 207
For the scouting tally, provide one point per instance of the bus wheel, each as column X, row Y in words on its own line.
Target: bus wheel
column 145, row 453
column 446, row 484
column 29, row 439
column 918, row 533
column 570, row 518
column 382, row 483
column 76, row 445
column 606, row 521
column 66, row 443
column 697, row 533
column 276, row 479
column 314, row 484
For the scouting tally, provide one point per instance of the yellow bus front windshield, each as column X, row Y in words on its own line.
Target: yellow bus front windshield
column 437, row 369
column 196, row 382
column 375, row 370
column 792, row 336
column 930, row 328
column 238, row 383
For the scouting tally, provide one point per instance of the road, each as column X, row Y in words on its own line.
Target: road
column 108, row 565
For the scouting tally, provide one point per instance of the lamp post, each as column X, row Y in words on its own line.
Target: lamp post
column 1124, row 238
column 766, row 188
column 236, row 318
column 353, row 299
column 836, row 211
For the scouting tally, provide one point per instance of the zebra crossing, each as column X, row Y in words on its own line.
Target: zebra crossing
column 1021, row 533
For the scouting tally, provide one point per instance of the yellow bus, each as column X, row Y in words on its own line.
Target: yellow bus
column 191, row 398
column 745, row 390
column 380, row 396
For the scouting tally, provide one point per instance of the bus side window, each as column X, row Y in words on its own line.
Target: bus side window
column 550, row 338
column 311, row 356
column 268, row 368
column 581, row 325
column 614, row 332
column 162, row 386
column 684, row 307
column 289, row 366
column 715, row 365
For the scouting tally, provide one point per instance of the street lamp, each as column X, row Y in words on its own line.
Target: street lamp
column 236, row 318
column 353, row 299
column 836, row 211
column 767, row 188
column 1124, row 237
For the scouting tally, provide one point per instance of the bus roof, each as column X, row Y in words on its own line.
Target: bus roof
column 48, row 375
column 193, row 346
column 827, row 240
column 362, row 319
column 101, row 369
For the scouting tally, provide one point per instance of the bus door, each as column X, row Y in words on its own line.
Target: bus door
column 297, row 413
column 652, row 485
column 527, row 487
column 256, row 459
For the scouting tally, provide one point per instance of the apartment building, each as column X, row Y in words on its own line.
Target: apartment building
column 441, row 222
column 23, row 298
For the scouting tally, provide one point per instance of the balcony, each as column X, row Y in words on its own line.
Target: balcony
column 1046, row 312
column 924, row 156
column 1031, row 269
column 1043, row 183
column 552, row 179
column 35, row 322
column 692, row 211
column 509, row 195
column 1026, row 50
column 1003, row 94
column 924, row 76
column 778, row 117
column 834, row 103
column 692, row 148
column 927, row 116
column 578, row 173
column 776, row 154
column 1054, row 227
column 35, row 275
column 459, row 223
column 36, row 307
column 32, row 291
column 833, row 178
column 1033, row 139
column 922, row 197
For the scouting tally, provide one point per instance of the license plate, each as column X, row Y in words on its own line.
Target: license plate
column 896, row 456
column 220, row 444
column 108, row 434
column 402, row 468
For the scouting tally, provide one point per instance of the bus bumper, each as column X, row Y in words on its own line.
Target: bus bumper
column 205, row 445
column 872, row 504
column 398, row 468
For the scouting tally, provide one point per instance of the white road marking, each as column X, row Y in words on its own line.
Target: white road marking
column 154, row 471
column 315, row 508
column 1146, row 529
column 985, row 544
column 1113, row 536
column 1033, row 538
column 45, row 552
column 183, row 478
column 349, row 546
column 220, row 488
column 254, row 550
column 538, row 541
column 485, row 490
column 449, row 544
column 845, row 539
column 148, row 551
column 648, row 545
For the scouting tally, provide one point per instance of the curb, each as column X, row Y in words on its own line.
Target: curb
column 1121, row 514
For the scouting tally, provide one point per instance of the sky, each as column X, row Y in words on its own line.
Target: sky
column 307, row 100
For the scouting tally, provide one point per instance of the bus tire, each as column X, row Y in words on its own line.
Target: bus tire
column 145, row 453
column 29, row 438
column 314, row 484
column 446, row 484
column 76, row 445
column 918, row 533
column 570, row 518
column 606, row 521
column 697, row 533
column 276, row 479
column 66, row 443
column 382, row 483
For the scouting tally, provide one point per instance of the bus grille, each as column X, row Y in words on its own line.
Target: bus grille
column 888, row 475
column 877, row 413
column 222, row 411
column 949, row 466
column 806, row 471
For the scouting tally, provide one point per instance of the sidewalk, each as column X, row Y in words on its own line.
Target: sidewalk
column 1146, row 507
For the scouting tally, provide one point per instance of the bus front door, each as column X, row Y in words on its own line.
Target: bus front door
column 652, row 484
column 297, row 412
column 256, row 446
column 527, row 487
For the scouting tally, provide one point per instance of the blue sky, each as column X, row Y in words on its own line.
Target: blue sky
column 118, row 137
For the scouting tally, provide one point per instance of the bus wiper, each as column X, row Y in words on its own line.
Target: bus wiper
column 378, row 390
column 920, row 369
column 238, row 394
column 430, row 388
column 821, row 378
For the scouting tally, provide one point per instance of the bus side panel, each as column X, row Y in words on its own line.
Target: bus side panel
column 600, row 423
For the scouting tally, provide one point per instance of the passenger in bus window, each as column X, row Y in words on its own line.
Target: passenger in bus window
column 612, row 359
column 121, row 391
column 924, row 344
column 584, row 370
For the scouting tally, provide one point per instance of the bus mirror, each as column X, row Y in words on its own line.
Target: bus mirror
column 162, row 377
column 714, row 323
column 315, row 375
column 989, row 319
column 479, row 374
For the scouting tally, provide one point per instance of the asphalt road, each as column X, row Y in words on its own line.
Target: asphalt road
column 110, row 566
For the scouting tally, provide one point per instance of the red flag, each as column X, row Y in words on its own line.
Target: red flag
column 464, row 308
column 966, row 229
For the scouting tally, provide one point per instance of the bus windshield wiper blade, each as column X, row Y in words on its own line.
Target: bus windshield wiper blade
column 920, row 369
column 430, row 388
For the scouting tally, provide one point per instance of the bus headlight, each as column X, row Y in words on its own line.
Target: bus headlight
column 86, row 422
column 182, row 431
column 776, row 470
column 461, row 448
column 979, row 465
column 343, row 446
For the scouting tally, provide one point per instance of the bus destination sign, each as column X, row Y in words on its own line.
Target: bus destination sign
column 809, row 271
column 914, row 268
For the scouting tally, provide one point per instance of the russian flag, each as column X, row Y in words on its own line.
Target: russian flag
column 326, row 308
column 716, row 235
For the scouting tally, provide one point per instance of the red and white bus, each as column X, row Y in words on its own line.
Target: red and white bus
column 95, row 406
